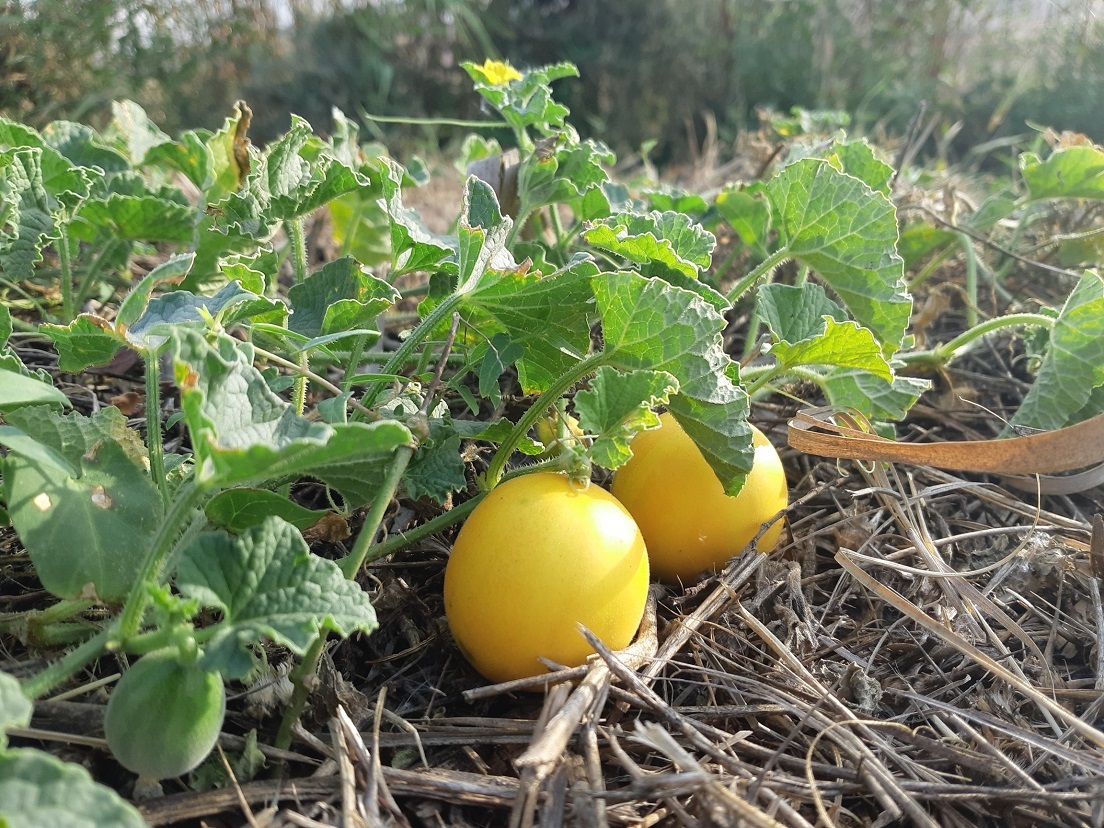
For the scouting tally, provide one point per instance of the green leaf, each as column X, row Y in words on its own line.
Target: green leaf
column 181, row 308
column 872, row 395
column 920, row 240
column 82, row 147
column 501, row 353
column 142, row 218
column 6, row 326
column 87, row 340
column 1069, row 172
column 339, row 296
column 15, row 708
column 565, row 174
column 436, row 470
column 91, row 340
column 361, row 227
column 38, row 789
column 746, row 212
column 480, row 204
column 1073, row 364
column 413, row 246
column 648, row 324
column 235, row 510
column 243, row 433
column 526, row 101
column 669, row 246
column 673, row 199
column 847, row 233
column 73, row 435
column 267, row 584
column 857, row 158
column 616, row 406
column 548, row 317
column 30, row 205
column 842, row 344
column 284, row 184
column 795, row 313
column 18, row 390
column 480, row 249
column 105, row 499
column 135, row 129
column 227, row 175
column 495, row 431
column 805, row 326
column 171, row 271
column 191, row 156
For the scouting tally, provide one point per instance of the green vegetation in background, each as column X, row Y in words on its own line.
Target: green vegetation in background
column 659, row 70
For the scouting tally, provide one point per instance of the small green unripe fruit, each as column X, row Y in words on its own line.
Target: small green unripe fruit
column 164, row 716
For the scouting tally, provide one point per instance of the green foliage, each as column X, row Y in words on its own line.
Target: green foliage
column 37, row 788
column 586, row 295
column 265, row 582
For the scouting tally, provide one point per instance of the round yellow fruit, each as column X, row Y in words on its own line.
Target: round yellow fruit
column 689, row 524
column 539, row 556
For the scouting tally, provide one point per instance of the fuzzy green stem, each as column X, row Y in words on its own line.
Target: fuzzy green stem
column 524, row 211
column 397, row 119
column 443, row 521
column 354, row 361
column 404, row 352
column 298, row 243
column 945, row 353
column 557, row 228
column 930, row 268
column 535, row 412
column 315, row 378
column 299, row 678
column 68, row 310
column 425, row 530
column 764, row 267
column 93, row 270
column 49, row 627
column 299, row 397
column 154, row 442
column 181, row 512
column 352, row 562
column 761, row 378
column 42, row 683
column 722, row 269
column 971, row 279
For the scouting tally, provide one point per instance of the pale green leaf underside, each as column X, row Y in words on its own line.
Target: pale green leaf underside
column 15, row 708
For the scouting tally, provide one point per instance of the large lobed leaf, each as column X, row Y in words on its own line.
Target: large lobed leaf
column 808, row 328
column 242, row 432
column 847, row 233
column 37, row 789
column 74, row 477
column 1069, row 172
column 616, row 406
column 650, row 325
column 266, row 583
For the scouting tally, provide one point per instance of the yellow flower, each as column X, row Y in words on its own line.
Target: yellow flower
column 499, row 73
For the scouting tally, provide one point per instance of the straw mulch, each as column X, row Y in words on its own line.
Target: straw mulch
column 922, row 649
